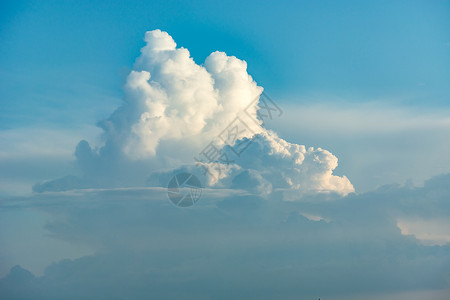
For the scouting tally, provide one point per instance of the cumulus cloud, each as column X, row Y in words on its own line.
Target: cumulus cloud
column 169, row 99
column 179, row 114
column 292, row 166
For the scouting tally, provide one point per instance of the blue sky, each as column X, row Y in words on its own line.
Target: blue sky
column 346, row 197
column 355, row 50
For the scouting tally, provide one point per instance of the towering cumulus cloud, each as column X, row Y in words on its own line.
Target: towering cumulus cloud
column 173, row 108
column 172, row 100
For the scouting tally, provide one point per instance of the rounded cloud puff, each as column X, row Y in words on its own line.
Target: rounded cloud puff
column 292, row 166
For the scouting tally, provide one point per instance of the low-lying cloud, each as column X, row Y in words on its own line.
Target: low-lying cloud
column 233, row 244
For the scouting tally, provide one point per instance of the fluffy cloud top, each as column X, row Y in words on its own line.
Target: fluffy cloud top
column 292, row 166
column 171, row 99
column 174, row 109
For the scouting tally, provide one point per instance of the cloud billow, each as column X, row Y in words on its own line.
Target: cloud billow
column 173, row 108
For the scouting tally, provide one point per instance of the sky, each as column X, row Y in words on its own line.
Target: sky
column 342, row 193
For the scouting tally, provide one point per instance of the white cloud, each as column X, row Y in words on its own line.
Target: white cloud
column 174, row 108
column 169, row 98
column 292, row 166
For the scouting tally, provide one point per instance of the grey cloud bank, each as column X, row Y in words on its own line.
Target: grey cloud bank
column 233, row 244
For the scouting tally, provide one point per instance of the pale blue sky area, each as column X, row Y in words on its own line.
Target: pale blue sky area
column 64, row 62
